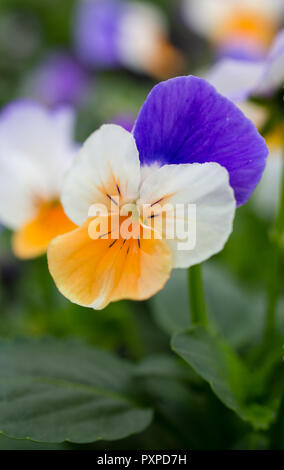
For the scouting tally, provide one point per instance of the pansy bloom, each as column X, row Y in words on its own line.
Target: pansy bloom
column 36, row 149
column 254, row 86
column 240, row 79
column 238, row 28
column 189, row 146
column 113, row 33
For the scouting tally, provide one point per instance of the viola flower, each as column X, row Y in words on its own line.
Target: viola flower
column 36, row 149
column 58, row 80
column 240, row 81
column 242, row 28
column 113, row 33
column 189, row 145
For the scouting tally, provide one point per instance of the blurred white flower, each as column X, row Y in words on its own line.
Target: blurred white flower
column 237, row 27
column 239, row 80
column 112, row 33
column 36, row 149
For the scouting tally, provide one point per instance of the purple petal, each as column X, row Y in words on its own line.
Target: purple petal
column 96, row 32
column 277, row 46
column 125, row 120
column 184, row 120
column 237, row 52
column 58, row 80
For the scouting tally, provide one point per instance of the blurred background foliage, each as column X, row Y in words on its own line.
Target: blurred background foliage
column 187, row 413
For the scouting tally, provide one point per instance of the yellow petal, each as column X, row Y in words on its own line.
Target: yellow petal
column 33, row 239
column 95, row 272
column 274, row 139
column 249, row 25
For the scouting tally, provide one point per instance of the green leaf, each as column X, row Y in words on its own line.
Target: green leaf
column 237, row 314
column 161, row 365
column 166, row 366
column 277, row 433
column 6, row 443
column 252, row 441
column 183, row 405
column 51, row 391
column 228, row 377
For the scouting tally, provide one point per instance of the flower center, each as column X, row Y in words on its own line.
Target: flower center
column 132, row 210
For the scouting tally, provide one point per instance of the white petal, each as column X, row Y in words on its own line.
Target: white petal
column 205, row 185
column 206, row 16
column 20, row 186
column 41, row 136
column 273, row 76
column 141, row 28
column 236, row 79
column 265, row 199
column 36, row 148
column 64, row 118
column 107, row 165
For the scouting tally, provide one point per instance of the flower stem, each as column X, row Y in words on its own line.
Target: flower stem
column 196, row 296
column 275, row 281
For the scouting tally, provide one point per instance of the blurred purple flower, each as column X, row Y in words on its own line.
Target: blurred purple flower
column 58, row 80
column 238, row 79
column 125, row 120
column 238, row 53
column 112, row 33
column 96, row 30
